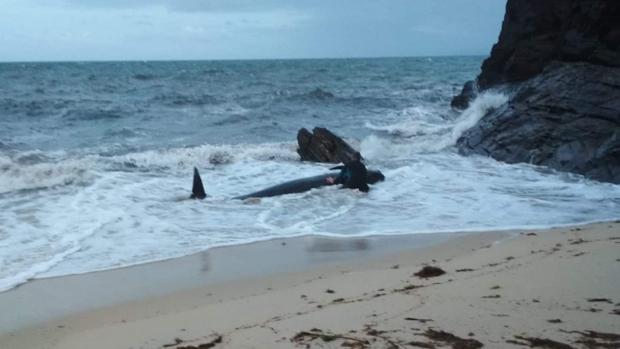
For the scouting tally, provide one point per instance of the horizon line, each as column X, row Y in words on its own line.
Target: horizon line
column 231, row 59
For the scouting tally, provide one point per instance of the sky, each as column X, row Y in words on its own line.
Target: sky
column 84, row 30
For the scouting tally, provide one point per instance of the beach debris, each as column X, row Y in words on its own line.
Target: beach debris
column 593, row 339
column 454, row 341
column 512, row 341
column 610, row 337
column 496, row 287
column 465, row 270
column 579, row 241
column 422, row 345
column 554, row 321
column 531, row 234
column 534, row 342
column 492, row 296
column 177, row 341
column 588, row 339
column 391, row 343
column 207, row 345
column 362, row 339
column 600, row 300
column 407, row 288
column 429, row 272
column 418, row 320
column 305, row 337
column 330, row 291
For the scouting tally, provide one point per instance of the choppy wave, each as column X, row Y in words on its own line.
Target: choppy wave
column 208, row 155
column 97, row 178
column 145, row 77
column 93, row 114
column 29, row 171
column 182, row 100
column 39, row 170
column 32, row 107
column 428, row 132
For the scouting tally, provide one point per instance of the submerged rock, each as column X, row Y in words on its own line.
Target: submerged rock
column 323, row 146
column 468, row 93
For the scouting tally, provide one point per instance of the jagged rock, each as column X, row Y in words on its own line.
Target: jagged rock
column 567, row 118
column 468, row 93
column 563, row 59
column 323, row 146
column 535, row 33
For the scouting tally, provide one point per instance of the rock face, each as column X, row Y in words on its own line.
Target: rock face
column 567, row 118
column 323, row 146
column 535, row 32
column 561, row 59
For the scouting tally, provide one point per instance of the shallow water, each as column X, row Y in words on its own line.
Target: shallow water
column 96, row 159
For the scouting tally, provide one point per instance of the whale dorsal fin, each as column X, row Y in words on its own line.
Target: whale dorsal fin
column 198, row 190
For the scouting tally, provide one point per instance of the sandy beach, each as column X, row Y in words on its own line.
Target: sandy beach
column 554, row 288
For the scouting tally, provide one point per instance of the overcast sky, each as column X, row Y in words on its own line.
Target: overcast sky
column 58, row 30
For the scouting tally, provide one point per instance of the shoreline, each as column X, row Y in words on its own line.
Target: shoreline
column 437, row 233
column 178, row 273
column 67, row 311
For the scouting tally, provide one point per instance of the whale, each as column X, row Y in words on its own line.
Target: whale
column 291, row 187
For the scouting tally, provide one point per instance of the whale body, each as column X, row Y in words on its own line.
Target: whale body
column 295, row 186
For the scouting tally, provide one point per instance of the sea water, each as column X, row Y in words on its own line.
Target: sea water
column 96, row 159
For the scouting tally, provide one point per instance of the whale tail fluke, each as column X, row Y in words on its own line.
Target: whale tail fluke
column 198, row 190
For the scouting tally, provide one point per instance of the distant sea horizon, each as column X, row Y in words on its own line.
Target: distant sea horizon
column 236, row 59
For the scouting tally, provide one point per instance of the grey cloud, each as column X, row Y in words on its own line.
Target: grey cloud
column 213, row 29
column 184, row 5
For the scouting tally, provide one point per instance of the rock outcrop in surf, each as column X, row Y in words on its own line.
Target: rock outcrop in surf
column 323, row 146
column 560, row 62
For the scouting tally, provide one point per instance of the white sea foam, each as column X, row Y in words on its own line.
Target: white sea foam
column 128, row 217
column 477, row 109
column 424, row 131
column 80, row 210
column 15, row 175
column 209, row 155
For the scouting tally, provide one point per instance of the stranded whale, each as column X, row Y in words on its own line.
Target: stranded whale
column 295, row 186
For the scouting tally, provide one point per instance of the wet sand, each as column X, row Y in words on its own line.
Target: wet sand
column 555, row 288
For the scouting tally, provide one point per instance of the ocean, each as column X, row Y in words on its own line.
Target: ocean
column 96, row 159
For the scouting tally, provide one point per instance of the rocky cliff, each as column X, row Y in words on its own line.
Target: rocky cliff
column 561, row 61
